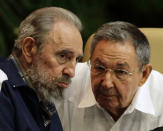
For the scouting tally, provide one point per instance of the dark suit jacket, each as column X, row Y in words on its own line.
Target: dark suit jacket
column 19, row 105
column 2, row 59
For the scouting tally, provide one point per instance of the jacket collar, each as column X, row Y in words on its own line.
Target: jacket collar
column 13, row 74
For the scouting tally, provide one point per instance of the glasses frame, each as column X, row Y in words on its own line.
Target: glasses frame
column 125, row 73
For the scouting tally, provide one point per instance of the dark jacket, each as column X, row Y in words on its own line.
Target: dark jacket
column 19, row 105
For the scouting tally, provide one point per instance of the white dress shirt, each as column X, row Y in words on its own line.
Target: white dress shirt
column 80, row 112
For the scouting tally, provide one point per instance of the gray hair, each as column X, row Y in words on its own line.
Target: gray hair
column 122, row 32
column 40, row 22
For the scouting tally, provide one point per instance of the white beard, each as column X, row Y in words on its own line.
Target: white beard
column 45, row 85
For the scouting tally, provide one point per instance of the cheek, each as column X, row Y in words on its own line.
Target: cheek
column 55, row 71
column 48, row 59
column 94, row 82
column 49, row 62
column 124, row 91
column 127, row 92
column 51, row 67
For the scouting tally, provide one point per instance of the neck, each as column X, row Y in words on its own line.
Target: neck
column 116, row 113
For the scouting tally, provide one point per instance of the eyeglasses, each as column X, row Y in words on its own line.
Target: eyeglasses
column 120, row 74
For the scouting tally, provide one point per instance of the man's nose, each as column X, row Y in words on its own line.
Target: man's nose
column 70, row 68
column 107, row 80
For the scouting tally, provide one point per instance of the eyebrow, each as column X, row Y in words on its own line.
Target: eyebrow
column 122, row 65
column 67, row 51
column 97, row 60
column 64, row 52
column 119, row 64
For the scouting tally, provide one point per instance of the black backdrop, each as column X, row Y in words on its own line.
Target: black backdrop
column 93, row 13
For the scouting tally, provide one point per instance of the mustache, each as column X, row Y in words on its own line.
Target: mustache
column 105, row 91
column 65, row 79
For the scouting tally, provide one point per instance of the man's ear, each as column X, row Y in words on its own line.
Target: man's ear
column 146, row 70
column 29, row 49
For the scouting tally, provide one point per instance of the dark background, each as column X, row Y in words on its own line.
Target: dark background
column 93, row 13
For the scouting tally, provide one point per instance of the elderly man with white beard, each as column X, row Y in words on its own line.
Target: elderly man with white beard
column 40, row 67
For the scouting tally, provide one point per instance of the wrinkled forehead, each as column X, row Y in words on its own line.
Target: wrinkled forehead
column 64, row 32
column 117, row 53
column 118, row 63
column 65, row 37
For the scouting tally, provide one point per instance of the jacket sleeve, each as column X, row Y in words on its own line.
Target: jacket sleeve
column 6, row 114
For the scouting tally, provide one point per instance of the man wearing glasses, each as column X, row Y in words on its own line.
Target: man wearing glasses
column 124, row 94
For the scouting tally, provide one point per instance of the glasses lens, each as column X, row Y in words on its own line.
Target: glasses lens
column 121, row 74
column 97, row 69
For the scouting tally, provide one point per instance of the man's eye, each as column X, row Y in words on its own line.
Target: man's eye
column 63, row 56
column 121, row 72
column 99, row 68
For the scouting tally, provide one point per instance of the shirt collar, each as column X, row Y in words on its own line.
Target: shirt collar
column 142, row 100
column 88, row 98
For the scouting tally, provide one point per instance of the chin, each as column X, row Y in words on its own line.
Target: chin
column 49, row 95
column 108, row 104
